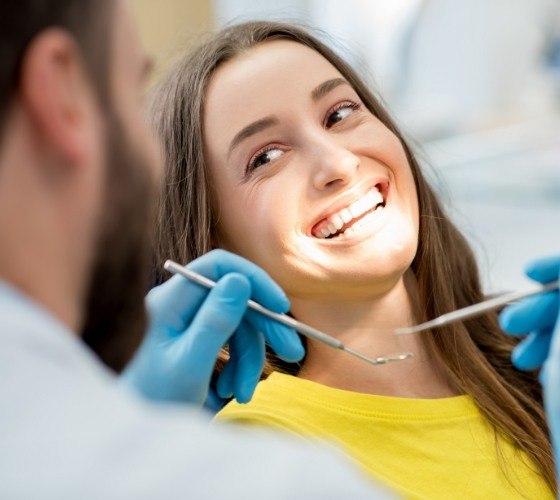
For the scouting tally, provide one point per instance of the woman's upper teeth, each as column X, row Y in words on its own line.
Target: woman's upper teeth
column 336, row 221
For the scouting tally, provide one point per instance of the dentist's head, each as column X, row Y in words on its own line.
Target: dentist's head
column 77, row 166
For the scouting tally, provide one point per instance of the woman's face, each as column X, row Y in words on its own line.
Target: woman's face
column 307, row 182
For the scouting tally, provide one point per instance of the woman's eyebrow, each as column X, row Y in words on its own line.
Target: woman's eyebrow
column 252, row 129
column 324, row 88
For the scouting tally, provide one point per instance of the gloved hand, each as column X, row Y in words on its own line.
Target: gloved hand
column 536, row 316
column 190, row 324
column 539, row 315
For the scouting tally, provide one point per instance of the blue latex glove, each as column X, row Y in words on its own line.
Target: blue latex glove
column 190, row 324
column 539, row 317
column 536, row 317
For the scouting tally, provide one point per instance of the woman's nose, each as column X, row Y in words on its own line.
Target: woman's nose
column 334, row 165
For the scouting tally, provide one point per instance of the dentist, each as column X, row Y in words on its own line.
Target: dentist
column 78, row 172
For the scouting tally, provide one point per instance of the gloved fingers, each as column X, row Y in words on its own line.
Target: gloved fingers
column 533, row 351
column 244, row 367
column 248, row 345
column 214, row 323
column 533, row 313
column 224, row 384
column 544, row 270
column 213, row 403
column 265, row 291
column 172, row 305
column 284, row 341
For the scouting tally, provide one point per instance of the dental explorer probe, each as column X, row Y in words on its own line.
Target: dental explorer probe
column 286, row 320
column 476, row 309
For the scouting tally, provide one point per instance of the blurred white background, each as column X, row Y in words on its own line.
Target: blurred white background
column 476, row 85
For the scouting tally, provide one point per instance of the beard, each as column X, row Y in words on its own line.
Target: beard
column 115, row 316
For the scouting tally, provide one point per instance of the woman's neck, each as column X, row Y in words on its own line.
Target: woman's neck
column 367, row 326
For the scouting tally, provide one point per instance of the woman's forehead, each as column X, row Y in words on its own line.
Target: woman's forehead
column 276, row 64
column 269, row 75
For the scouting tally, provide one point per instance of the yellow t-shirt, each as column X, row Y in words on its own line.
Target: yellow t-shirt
column 421, row 448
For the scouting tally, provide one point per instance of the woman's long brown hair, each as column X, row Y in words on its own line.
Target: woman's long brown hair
column 475, row 354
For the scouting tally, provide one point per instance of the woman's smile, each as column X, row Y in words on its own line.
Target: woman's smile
column 352, row 214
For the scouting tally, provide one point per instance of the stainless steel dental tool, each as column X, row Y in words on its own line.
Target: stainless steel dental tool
column 288, row 321
column 476, row 309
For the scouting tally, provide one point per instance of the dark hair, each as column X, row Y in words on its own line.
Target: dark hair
column 22, row 20
column 475, row 354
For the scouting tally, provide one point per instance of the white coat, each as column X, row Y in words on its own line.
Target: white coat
column 68, row 430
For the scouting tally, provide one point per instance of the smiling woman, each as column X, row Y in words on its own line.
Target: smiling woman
column 277, row 150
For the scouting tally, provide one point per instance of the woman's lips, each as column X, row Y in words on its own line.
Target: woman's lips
column 341, row 221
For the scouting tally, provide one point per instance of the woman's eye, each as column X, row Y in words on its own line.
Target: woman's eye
column 265, row 157
column 340, row 114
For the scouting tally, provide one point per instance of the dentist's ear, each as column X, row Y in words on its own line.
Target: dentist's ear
column 57, row 95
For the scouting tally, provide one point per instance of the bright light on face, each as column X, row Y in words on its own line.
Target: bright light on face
column 308, row 183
